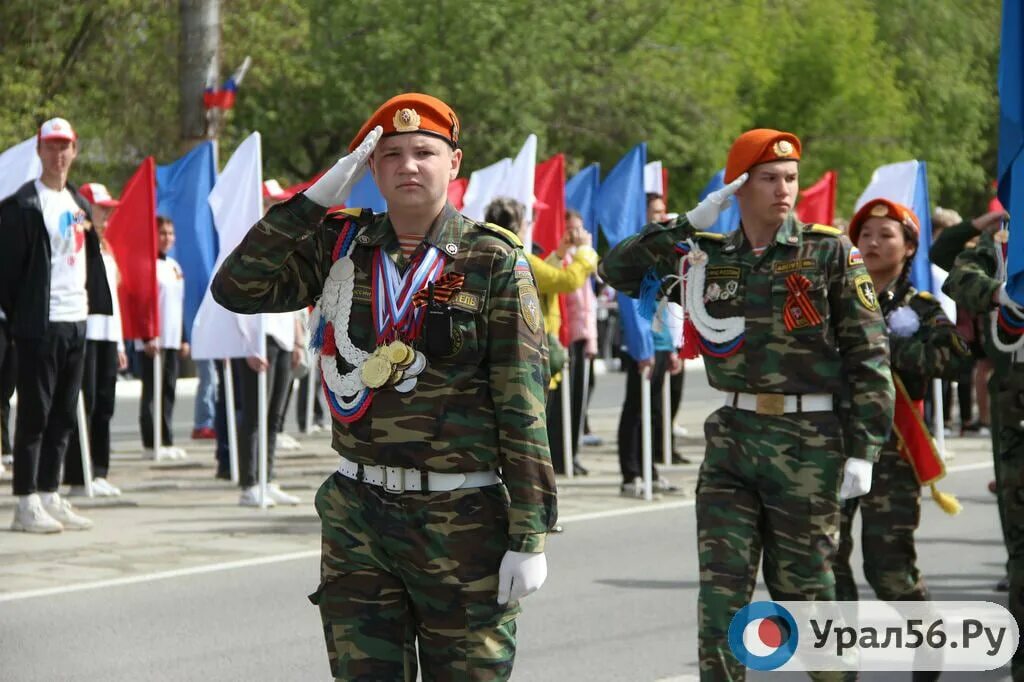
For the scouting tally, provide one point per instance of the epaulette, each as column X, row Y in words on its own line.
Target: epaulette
column 926, row 295
column 823, row 229
column 359, row 214
column 715, row 236
column 506, row 234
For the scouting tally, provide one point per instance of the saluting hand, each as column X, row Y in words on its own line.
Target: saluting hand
column 335, row 186
column 704, row 214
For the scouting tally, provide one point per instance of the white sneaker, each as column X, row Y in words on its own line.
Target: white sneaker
column 60, row 509
column 30, row 517
column 591, row 440
column 171, row 452
column 104, row 488
column 2, row 470
column 286, row 442
column 279, row 496
column 251, row 497
column 634, row 489
column 680, row 432
column 153, row 455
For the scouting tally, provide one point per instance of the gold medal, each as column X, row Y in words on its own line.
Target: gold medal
column 396, row 376
column 398, row 353
column 376, row 371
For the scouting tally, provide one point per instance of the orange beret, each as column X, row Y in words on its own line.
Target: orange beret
column 412, row 112
column 883, row 208
column 760, row 145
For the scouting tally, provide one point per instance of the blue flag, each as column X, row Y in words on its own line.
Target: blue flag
column 1011, row 139
column 366, row 195
column 921, row 268
column 581, row 195
column 182, row 191
column 729, row 219
column 621, row 212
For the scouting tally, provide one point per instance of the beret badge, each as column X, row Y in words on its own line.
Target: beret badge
column 783, row 148
column 406, row 121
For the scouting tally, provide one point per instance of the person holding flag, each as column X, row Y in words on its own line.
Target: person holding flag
column 435, row 369
column 923, row 344
column 51, row 279
column 787, row 320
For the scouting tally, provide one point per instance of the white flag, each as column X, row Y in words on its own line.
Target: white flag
column 895, row 182
column 508, row 178
column 653, row 179
column 237, row 204
column 18, row 165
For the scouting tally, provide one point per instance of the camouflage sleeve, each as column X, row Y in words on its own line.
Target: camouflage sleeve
column 279, row 265
column 861, row 338
column 518, row 362
column 944, row 249
column 972, row 281
column 625, row 265
column 935, row 349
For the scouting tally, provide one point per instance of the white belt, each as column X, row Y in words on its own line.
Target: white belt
column 779, row 403
column 400, row 480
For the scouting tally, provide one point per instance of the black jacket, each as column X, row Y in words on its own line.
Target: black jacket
column 25, row 264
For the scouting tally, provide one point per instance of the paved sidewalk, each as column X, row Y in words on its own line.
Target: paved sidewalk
column 176, row 516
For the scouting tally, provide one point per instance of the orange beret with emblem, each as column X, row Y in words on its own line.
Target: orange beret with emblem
column 412, row 112
column 883, row 208
column 760, row 145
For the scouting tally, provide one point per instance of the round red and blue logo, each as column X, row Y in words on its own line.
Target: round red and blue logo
column 763, row 635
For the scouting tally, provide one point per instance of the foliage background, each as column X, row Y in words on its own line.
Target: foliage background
column 862, row 82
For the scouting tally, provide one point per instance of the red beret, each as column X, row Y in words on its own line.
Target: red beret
column 760, row 145
column 883, row 208
column 412, row 112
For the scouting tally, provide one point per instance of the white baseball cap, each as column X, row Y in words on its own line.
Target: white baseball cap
column 97, row 194
column 57, row 129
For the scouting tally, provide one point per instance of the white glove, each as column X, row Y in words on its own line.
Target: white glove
column 1005, row 300
column 521, row 574
column 334, row 186
column 704, row 214
column 856, row 478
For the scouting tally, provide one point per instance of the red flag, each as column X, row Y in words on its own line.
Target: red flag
column 549, row 211
column 456, row 192
column 131, row 234
column 664, row 185
column 817, row 203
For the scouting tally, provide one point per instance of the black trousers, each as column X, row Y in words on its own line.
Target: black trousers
column 579, row 364
column 8, row 381
column 630, row 423
column 279, row 377
column 49, row 381
column 99, row 384
column 675, row 385
column 302, row 393
column 170, row 382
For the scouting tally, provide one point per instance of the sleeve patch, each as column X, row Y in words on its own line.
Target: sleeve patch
column 855, row 258
column 522, row 269
column 529, row 306
column 866, row 292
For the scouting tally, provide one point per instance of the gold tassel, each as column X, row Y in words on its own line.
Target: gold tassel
column 947, row 502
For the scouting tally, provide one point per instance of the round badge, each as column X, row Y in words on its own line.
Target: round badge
column 452, row 249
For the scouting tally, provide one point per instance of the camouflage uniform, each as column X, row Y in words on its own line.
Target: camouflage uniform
column 891, row 511
column 774, row 471
column 397, row 568
column 972, row 282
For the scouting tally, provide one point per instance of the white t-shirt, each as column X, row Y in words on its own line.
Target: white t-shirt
column 65, row 223
column 107, row 327
column 170, row 284
column 281, row 328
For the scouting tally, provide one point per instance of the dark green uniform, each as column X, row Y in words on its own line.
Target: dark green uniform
column 771, row 481
column 398, row 568
column 972, row 282
column 891, row 511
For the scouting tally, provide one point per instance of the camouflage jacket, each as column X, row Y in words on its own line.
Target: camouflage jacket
column 479, row 408
column 935, row 350
column 845, row 355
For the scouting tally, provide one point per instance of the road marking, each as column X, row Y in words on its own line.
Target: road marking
column 309, row 554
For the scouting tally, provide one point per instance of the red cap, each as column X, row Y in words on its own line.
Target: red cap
column 412, row 112
column 760, row 145
column 57, row 129
column 883, row 208
column 97, row 194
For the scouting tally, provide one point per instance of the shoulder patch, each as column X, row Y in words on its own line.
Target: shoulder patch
column 855, row 258
column 823, row 229
column 866, row 292
column 506, row 234
column 714, row 236
column 522, row 269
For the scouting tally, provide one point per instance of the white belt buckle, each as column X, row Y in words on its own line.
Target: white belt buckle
column 394, row 479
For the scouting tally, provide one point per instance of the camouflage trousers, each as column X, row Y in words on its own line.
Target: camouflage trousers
column 771, row 483
column 1007, row 392
column 890, row 514
column 401, row 571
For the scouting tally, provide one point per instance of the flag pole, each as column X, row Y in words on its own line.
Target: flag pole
column 939, row 423
column 666, row 418
column 262, row 435
column 158, row 408
column 229, row 407
column 566, row 407
column 83, row 445
column 312, row 380
column 645, row 432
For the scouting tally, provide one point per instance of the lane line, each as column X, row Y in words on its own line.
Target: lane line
column 309, row 554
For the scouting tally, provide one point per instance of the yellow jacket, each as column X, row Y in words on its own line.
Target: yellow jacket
column 553, row 278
